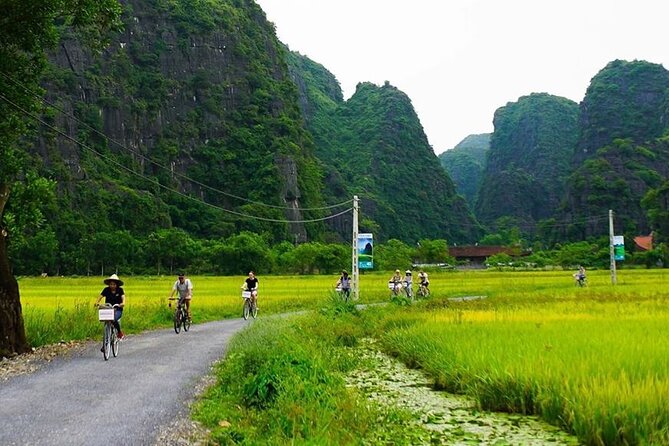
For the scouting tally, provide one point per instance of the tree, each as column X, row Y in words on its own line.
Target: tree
column 27, row 31
column 393, row 254
column 656, row 204
column 432, row 251
column 242, row 253
column 171, row 248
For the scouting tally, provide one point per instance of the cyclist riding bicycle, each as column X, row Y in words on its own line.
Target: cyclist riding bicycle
column 408, row 283
column 424, row 281
column 184, row 286
column 113, row 294
column 396, row 282
column 344, row 284
column 579, row 276
column 251, row 284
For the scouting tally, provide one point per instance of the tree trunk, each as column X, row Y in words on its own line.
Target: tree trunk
column 12, row 332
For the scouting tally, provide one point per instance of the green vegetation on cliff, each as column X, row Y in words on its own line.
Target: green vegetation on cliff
column 622, row 153
column 624, row 100
column 465, row 164
column 191, row 89
column 529, row 159
column 374, row 146
column 618, row 177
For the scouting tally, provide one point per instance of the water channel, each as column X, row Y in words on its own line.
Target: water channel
column 450, row 419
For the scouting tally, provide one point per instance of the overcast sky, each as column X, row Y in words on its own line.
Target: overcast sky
column 460, row 60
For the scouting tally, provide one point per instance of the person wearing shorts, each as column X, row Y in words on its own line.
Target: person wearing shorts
column 184, row 287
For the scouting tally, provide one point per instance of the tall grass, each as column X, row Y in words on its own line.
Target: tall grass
column 59, row 308
column 282, row 383
column 594, row 361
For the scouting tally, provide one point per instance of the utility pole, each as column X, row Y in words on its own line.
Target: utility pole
column 354, row 252
column 614, row 279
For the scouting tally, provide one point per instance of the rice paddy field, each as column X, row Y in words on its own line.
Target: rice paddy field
column 592, row 360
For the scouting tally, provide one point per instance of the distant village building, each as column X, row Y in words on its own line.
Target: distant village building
column 476, row 256
column 643, row 242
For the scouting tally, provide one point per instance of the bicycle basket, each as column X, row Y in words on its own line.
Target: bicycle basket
column 246, row 294
column 106, row 314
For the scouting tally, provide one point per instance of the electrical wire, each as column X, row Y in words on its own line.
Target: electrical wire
column 155, row 163
column 594, row 219
column 157, row 183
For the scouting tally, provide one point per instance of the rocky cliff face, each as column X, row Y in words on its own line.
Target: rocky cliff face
column 621, row 152
column 465, row 164
column 624, row 100
column 529, row 159
column 374, row 146
column 203, row 92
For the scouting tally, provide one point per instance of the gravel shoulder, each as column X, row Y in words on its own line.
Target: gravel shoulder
column 70, row 395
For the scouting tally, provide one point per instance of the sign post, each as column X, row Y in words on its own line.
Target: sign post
column 618, row 248
column 354, row 253
column 614, row 279
column 365, row 251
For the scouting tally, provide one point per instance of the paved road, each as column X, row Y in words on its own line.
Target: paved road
column 84, row 400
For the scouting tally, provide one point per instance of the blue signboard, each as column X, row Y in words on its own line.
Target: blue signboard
column 365, row 251
column 618, row 247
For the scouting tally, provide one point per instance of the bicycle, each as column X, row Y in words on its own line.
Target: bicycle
column 395, row 288
column 110, row 335
column 423, row 290
column 250, row 306
column 180, row 315
column 581, row 281
column 343, row 293
column 408, row 291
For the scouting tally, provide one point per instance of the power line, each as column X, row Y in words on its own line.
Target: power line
column 157, row 183
column 155, row 163
column 594, row 219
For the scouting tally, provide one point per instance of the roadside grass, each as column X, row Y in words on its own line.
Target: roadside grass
column 282, row 382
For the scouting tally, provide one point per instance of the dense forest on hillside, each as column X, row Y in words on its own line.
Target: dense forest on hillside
column 622, row 152
column 465, row 164
column 624, row 100
column 529, row 159
column 189, row 104
column 374, row 146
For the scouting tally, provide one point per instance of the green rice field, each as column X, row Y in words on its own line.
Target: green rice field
column 592, row 360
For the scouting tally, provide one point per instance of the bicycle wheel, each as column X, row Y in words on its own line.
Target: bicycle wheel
column 114, row 342
column 254, row 309
column 186, row 321
column 247, row 308
column 106, row 341
column 177, row 320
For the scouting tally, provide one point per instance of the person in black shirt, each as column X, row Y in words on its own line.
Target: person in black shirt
column 251, row 284
column 113, row 294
